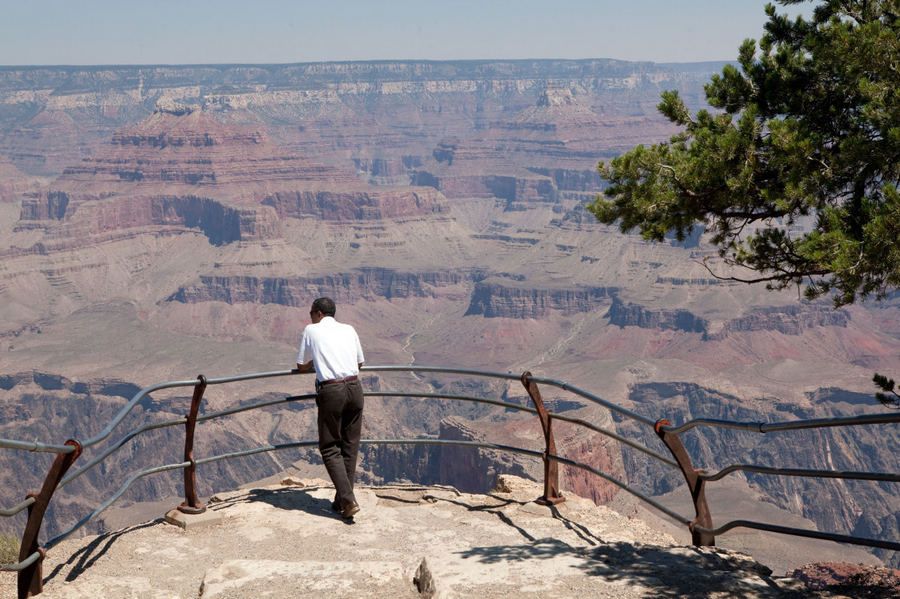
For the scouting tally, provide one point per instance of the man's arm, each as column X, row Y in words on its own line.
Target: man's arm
column 304, row 366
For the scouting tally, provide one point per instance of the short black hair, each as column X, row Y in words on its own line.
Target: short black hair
column 325, row 305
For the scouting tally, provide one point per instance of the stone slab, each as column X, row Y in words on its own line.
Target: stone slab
column 190, row 522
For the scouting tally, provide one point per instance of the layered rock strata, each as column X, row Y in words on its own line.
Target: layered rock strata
column 791, row 319
column 497, row 298
column 184, row 168
column 351, row 287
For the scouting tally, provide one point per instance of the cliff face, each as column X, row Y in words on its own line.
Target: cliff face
column 509, row 188
column 494, row 299
column 477, row 470
column 357, row 205
column 787, row 320
column 347, row 288
column 219, row 223
column 623, row 315
column 833, row 505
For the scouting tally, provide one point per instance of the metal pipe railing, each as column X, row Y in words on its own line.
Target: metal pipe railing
column 770, row 427
column 35, row 446
column 19, row 566
column 878, row 476
column 126, row 409
column 493, row 402
column 442, row 370
column 802, row 532
column 701, row 527
column 7, row 512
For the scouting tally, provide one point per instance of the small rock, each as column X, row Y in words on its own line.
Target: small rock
column 520, row 488
column 290, row 481
column 424, row 580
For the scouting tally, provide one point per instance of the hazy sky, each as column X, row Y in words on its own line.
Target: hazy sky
column 263, row 31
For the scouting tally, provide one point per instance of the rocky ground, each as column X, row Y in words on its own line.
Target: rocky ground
column 408, row 541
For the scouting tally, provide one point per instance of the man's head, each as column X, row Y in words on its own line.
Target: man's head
column 322, row 307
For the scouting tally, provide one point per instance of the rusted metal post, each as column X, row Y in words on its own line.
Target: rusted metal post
column 695, row 484
column 192, row 504
column 551, row 495
column 30, row 581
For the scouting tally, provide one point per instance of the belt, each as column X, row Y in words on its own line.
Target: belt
column 346, row 379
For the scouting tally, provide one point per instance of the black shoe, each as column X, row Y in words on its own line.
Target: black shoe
column 336, row 506
column 350, row 509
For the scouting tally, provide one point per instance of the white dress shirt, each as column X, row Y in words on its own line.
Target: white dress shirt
column 333, row 348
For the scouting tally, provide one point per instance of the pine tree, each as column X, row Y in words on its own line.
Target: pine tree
column 807, row 126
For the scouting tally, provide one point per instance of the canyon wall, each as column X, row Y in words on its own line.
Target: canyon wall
column 367, row 283
column 494, row 299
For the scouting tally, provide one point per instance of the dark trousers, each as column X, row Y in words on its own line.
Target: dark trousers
column 340, row 425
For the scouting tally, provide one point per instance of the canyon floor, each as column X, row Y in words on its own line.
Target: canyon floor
column 284, row 541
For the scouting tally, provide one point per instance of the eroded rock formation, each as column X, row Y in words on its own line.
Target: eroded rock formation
column 497, row 298
column 345, row 288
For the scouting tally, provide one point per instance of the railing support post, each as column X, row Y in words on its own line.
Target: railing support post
column 551, row 495
column 695, row 483
column 31, row 578
column 192, row 504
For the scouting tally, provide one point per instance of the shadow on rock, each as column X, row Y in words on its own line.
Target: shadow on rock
column 289, row 498
column 663, row 571
column 85, row 557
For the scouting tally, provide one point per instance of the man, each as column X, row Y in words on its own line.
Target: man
column 332, row 349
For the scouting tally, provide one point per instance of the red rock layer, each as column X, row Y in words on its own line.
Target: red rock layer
column 187, row 169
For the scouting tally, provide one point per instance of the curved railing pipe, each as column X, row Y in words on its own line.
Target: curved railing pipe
column 770, row 427
column 802, row 532
column 801, row 472
column 35, row 446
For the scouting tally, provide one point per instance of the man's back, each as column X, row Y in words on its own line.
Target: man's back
column 333, row 347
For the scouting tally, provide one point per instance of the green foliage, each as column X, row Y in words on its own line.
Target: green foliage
column 9, row 549
column 807, row 126
column 890, row 397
